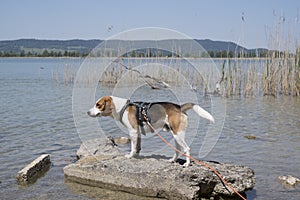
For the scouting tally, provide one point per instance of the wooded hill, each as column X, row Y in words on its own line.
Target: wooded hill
column 77, row 47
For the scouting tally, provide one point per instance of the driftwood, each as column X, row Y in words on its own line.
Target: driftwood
column 153, row 82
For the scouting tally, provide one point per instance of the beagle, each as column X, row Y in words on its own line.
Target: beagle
column 162, row 115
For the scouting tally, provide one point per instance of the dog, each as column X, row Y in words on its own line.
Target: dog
column 135, row 116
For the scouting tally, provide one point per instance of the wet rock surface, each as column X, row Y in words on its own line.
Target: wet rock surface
column 102, row 165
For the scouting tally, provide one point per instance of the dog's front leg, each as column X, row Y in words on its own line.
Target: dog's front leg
column 135, row 137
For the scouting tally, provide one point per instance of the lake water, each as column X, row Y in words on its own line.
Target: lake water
column 36, row 118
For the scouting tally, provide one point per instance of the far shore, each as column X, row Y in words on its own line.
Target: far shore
column 138, row 58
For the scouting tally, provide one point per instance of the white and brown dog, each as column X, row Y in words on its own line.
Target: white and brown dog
column 166, row 115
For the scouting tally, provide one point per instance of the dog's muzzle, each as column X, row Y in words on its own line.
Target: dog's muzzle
column 89, row 113
column 94, row 112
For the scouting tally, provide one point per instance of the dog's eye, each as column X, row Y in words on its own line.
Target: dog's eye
column 99, row 105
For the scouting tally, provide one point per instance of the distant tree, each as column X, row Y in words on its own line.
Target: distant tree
column 218, row 54
column 141, row 54
column 51, row 54
column 9, row 54
column 132, row 54
column 148, row 54
column 45, row 53
column 84, row 54
column 22, row 53
column 263, row 54
column 211, row 54
column 29, row 54
column 160, row 54
column 224, row 54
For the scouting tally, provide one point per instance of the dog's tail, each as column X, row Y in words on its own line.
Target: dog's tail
column 200, row 111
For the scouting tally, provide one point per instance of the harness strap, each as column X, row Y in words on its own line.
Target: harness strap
column 123, row 110
column 142, row 113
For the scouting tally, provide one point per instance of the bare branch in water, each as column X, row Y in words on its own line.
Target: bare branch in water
column 153, row 82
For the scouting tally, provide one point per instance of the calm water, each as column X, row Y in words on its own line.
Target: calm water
column 37, row 118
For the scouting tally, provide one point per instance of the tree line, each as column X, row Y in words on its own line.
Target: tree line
column 44, row 53
column 139, row 53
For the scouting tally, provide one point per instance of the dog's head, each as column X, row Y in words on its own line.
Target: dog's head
column 103, row 107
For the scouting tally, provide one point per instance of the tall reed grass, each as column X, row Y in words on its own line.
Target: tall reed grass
column 275, row 75
column 272, row 76
column 66, row 75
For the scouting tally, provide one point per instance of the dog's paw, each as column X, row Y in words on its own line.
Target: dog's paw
column 186, row 164
column 130, row 155
column 172, row 160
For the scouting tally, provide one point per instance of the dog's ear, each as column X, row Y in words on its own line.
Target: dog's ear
column 105, row 105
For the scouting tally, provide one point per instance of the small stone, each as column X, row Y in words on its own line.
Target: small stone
column 122, row 140
column 250, row 137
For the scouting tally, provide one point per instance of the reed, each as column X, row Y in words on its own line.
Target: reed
column 153, row 71
column 66, row 75
column 278, row 74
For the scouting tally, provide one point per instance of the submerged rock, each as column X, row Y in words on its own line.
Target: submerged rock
column 155, row 176
column 289, row 180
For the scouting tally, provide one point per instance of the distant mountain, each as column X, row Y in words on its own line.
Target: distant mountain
column 56, row 45
column 84, row 47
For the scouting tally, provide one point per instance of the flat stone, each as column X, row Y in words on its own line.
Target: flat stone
column 121, row 140
column 34, row 170
column 155, row 176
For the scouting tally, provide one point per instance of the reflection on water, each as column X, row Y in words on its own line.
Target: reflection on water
column 36, row 118
column 99, row 193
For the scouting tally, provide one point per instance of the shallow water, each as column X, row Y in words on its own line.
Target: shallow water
column 36, row 118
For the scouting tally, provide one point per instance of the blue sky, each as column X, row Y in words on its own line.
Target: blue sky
column 210, row 19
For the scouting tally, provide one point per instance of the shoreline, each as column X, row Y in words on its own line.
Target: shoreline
column 139, row 58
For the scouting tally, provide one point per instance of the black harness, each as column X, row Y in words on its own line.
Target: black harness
column 142, row 112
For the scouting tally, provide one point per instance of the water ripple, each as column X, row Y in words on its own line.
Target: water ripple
column 36, row 118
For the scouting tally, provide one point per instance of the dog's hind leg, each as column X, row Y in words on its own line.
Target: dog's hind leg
column 178, row 130
column 135, row 138
column 180, row 139
column 176, row 154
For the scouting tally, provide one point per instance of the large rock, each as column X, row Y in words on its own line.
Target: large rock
column 154, row 176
